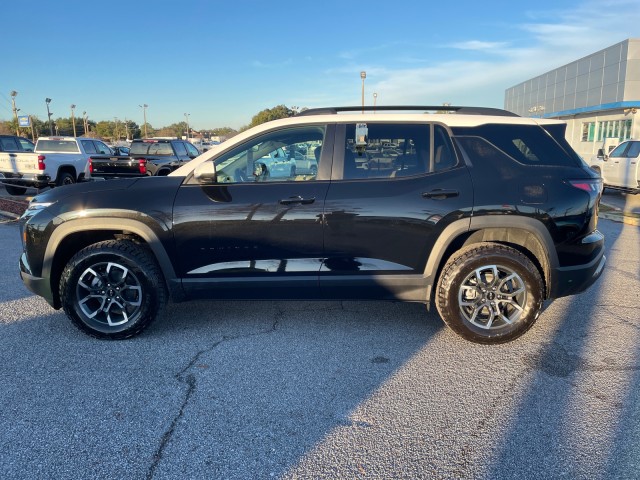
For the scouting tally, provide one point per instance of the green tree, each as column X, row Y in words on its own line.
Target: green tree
column 269, row 114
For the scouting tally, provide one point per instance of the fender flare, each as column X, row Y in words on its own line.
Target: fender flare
column 136, row 227
column 495, row 228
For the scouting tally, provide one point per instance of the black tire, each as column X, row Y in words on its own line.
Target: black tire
column 114, row 278
column 65, row 178
column 13, row 190
column 489, row 293
column 314, row 170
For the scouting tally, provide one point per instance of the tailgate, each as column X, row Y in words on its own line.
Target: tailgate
column 22, row 163
column 115, row 167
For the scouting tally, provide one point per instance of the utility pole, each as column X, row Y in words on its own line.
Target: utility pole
column 144, row 112
column 15, row 111
column 186, row 116
column 363, row 75
column 48, row 101
column 115, row 133
column 73, row 119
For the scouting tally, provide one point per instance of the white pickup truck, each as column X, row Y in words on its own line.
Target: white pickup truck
column 56, row 161
column 620, row 169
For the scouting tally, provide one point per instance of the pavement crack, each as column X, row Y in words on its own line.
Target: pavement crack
column 189, row 379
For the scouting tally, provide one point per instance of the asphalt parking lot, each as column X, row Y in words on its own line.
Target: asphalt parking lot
column 324, row 390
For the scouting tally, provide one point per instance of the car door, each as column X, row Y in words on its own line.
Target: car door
column 628, row 166
column 613, row 166
column 249, row 235
column 382, row 217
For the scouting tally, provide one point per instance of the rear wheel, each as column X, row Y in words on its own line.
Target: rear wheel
column 65, row 178
column 489, row 293
column 13, row 190
column 112, row 289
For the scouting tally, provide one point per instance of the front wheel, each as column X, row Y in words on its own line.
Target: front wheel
column 112, row 289
column 489, row 293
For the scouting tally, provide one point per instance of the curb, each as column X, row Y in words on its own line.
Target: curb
column 621, row 218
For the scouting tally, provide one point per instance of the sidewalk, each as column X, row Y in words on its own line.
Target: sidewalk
column 618, row 215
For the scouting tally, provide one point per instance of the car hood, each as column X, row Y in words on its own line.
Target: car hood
column 58, row 193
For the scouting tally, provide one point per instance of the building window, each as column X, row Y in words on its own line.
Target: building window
column 620, row 129
column 588, row 131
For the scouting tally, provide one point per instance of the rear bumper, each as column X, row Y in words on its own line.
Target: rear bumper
column 576, row 279
column 25, row 180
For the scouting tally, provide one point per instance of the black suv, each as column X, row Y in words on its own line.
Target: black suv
column 478, row 211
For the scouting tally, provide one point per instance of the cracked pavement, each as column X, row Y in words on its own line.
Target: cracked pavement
column 323, row 390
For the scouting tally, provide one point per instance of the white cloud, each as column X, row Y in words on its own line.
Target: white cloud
column 478, row 45
column 560, row 37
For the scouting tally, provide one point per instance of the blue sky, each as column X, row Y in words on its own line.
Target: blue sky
column 222, row 62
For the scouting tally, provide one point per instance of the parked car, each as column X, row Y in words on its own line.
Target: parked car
column 55, row 161
column 151, row 156
column 620, row 169
column 487, row 216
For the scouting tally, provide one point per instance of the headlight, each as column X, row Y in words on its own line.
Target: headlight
column 35, row 207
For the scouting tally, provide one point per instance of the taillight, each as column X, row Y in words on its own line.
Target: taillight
column 41, row 165
column 90, row 165
column 591, row 185
column 142, row 165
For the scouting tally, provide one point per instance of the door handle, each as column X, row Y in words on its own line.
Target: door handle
column 298, row 199
column 440, row 194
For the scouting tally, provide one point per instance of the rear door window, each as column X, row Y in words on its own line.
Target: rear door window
column 9, row 144
column 526, row 144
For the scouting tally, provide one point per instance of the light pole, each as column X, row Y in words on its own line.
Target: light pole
column 116, row 137
column 363, row 75
column 375, row 98
column 186, row 116
column 15, row 111
column 144, row 112
column 48, row 101
column 73, row 119
column 84, row 122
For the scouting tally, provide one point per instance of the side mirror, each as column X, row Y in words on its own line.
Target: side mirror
column 205, row 173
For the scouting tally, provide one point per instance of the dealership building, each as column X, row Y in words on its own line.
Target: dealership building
column 598, row 96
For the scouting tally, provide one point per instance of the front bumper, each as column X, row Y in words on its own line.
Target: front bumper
column 38, row 285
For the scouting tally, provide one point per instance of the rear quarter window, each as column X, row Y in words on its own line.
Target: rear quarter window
column 526, row 144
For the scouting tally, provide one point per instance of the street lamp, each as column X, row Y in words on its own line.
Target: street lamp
column 73, row 120
column 144, row 112
column 375, row 98
column 48, row 101
column 116, row 136
column 363, row 75
column 85, row 122
column 186, row 116
column 15, row 111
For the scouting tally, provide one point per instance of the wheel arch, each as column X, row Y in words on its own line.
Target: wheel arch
column 527, row 235
column 67, row 169
column 74, row 235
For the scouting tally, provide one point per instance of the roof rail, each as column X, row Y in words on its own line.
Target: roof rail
column 425, row 109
